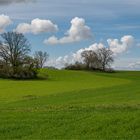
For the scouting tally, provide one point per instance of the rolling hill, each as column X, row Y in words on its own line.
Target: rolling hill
column 71, row 105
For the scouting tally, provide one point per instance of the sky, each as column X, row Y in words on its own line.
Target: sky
column 65, row 28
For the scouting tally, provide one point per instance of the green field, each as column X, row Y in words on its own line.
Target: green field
column 71, row 105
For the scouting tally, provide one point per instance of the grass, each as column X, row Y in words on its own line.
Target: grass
column 71, row 105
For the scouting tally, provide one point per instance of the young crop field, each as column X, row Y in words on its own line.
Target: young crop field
column 71, row 105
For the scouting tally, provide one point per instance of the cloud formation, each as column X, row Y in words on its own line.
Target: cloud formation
column 37, row 26
column 116, row 45
column 4, row 22
column 4, row 2
column 122, row 45
column 135, row 65
column 77, row 32
column 73, row 57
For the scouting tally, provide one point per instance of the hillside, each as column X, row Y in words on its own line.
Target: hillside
column 71, row 105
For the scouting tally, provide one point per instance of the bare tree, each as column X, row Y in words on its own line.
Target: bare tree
column 41, row 58
column 13, row 49
column 105, row 57
column 90, row 58
column 99, row 59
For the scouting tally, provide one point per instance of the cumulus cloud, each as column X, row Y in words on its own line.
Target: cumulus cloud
column 120, row 46
column 116, row 45
column 37, row 26
column 77, row 32
column 94, row 47
column 73, row 57
column 4, row 2
column 135, row 65
column 4, row 22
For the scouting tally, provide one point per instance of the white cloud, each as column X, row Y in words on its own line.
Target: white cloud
column 23, row 28
column 120, row 46
column 37, row 26
column 77, row 32
column 122, row 63
column 4, row 22
column 73, row 57
column 135, row 65
column 77, row 56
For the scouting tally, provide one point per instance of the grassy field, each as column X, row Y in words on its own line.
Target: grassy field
column 71, row 105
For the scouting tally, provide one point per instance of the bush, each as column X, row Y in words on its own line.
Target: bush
column 25, row 73
column 21, row 72
column 76, row 66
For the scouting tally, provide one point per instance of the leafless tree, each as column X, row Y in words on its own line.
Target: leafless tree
column 90, row 58
column 99, row 59
column 41, row 58
column 105, row 57
column 13, row 49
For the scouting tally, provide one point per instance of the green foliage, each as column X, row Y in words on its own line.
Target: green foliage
column 71, row 105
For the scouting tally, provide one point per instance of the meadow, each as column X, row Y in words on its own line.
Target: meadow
column 71, row 105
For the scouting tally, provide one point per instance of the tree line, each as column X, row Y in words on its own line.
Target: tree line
column 15, row 59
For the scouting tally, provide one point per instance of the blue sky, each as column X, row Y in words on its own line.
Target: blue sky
column 107, row 19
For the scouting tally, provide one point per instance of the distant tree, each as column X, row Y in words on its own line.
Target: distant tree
column 76, row 66
column 105, row 57
column 100, row 59
column 41, row 58
column 90, row 59
column 51, row 68
column 14, row 48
